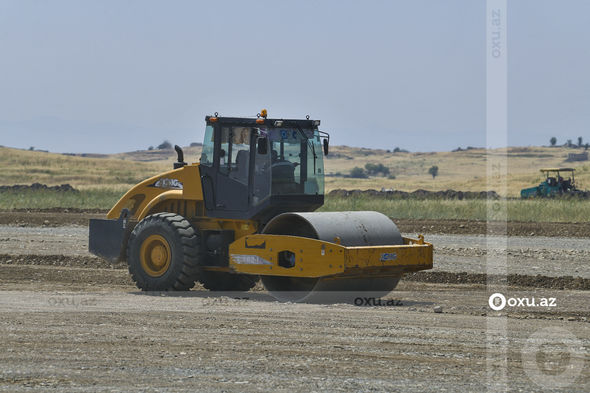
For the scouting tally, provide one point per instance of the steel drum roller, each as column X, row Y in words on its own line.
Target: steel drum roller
column 364, row 228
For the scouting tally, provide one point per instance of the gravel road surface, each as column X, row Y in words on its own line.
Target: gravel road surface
column 70, row 322
column 125, row 341
column 549, row 256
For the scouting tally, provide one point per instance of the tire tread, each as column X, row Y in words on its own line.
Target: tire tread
column 187, row 237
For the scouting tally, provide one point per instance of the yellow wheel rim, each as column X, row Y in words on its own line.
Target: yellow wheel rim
column 155, row 255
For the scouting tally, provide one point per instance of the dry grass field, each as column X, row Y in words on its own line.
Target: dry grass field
column 462, row 170
column 26, row 167
column 103, row 179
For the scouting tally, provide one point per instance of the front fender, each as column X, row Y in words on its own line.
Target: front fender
column 165, row 196
column 183, row 183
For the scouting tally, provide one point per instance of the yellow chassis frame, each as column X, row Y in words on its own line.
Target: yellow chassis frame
column 259, row 254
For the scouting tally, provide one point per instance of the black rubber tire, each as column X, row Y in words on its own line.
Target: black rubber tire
column 183, row 240
column 221, row 281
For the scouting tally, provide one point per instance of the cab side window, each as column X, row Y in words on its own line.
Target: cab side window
column 207, row 153
column 240, row 154
column 234, row 153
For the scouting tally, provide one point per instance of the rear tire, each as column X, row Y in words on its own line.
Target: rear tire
column 221, row 281
column 163, row 253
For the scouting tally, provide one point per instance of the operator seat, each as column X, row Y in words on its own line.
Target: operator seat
column 283, row 174
column 242, row 166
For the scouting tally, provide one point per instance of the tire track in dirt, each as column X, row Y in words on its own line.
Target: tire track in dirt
column 86, row 267
column 64, row 217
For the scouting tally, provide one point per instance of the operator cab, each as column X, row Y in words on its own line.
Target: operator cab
column 553, row 178
column 256, row 168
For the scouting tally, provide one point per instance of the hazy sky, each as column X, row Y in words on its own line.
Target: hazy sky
column 111, row 76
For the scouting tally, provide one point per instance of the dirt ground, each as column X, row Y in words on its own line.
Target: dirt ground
column 71, row 322
column 59, row 217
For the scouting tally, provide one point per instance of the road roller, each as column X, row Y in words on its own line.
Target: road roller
column 246, row 212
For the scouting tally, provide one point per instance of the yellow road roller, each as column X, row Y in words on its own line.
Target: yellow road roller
column 246, row 211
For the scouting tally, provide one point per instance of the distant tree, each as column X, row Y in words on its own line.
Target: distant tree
column 586, row 146
column 32, row 148
column 569, row 143
column 580, row 142
column 151, row 148
column 376, row 169
column 165, row 145
column 433, row 171
column 553, row 140
column 358, row 173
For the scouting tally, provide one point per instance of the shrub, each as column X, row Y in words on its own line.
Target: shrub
column 358, row 173
column 376, row 169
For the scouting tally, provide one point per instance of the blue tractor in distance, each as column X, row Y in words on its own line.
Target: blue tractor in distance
column 553, row 185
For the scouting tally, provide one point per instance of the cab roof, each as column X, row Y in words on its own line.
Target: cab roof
column 557, row 170
column 261, row 121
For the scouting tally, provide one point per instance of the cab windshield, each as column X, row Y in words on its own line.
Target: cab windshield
column 297, row 164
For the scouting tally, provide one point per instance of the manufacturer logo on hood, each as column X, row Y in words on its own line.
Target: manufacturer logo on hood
column 165, row 182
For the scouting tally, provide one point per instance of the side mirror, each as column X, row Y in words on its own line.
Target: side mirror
column 262, row 145
column 325, row 147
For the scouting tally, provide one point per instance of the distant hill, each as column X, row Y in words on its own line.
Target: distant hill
column 463, row 170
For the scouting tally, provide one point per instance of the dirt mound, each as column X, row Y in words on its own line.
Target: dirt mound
column 39, row 186
column 418, row 194
column 59, row 260
column 538, row 281
column 71, row 210
column 64, row 217
column 49, row 217
column 512, row 228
